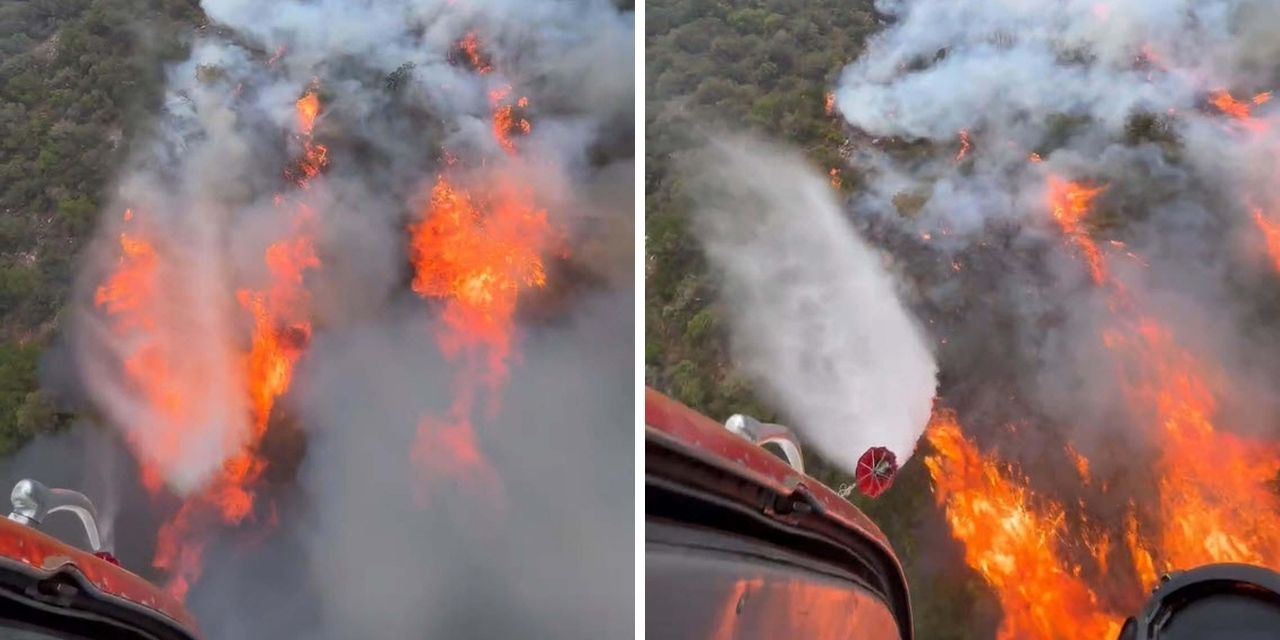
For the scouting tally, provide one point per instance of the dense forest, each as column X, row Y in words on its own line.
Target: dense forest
column 766, row 66
column 77, row 79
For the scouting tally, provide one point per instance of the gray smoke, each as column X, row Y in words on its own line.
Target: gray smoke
column 1116, row 94
column 342, row 545
column 815, row 317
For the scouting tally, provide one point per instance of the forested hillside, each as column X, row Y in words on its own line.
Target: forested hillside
column 77, row 80
column 766, row 66
column 759, row 65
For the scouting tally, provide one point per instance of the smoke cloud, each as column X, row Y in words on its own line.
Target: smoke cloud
column 815, row 316
column 1164, row 106
column 270, row 210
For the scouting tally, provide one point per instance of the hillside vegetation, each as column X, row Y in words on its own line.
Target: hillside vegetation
column 77, row 80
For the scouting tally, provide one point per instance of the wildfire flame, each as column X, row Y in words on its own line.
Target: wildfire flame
column 126, row 291
column 1215, row 490
column 1240, row 110
column 506, row 122
column 470, row 46
column 476, row 250
column 1080, row 462
column 476, row 254
column 1270, row 234
column 964, row 145
column 1070, row 202
column 179, row 416
column 280, row 333
column 1011, row 538
column 315, row 156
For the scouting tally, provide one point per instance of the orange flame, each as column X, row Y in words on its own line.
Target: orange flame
column 280, row 333
column 315, row 156
column 476, row 254
column 1011, row 538
column 308, row 109
column 1240, row 110
column 1229, row 106
column 1215, row 495
column 1070, row 202
column 132, row 299
column 1270, row 234
column 128, row 288
column 1215, row 487
column 1080, row 462
column 964, row 145
column 506, row 122
column 830, row 105
column 281, row 327
column 470, row 46
column 1143, row 564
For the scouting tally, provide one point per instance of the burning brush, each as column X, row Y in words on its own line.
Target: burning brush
column 1105, row 205
column 477, row 246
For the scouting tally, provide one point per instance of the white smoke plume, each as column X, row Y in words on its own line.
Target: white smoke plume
column 814, row 314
